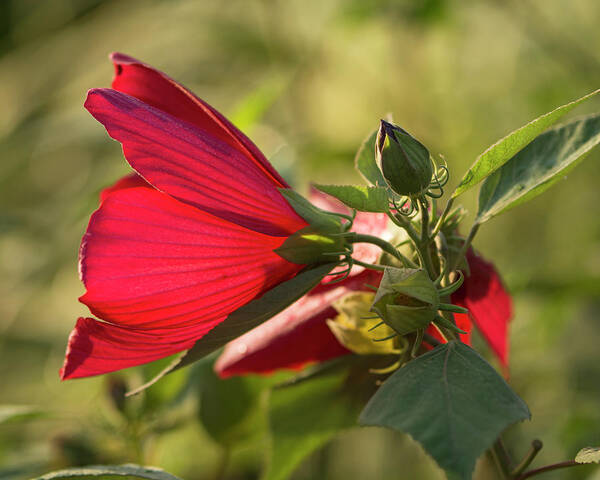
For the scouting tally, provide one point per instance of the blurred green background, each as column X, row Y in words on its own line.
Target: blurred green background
column 307, row 80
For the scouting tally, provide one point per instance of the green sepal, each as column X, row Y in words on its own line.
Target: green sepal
column 412, row 282
column 444, row 322
column 309, row 246
column 448, row 307
column 405, row 319
column 363, row 199
column 319, row 219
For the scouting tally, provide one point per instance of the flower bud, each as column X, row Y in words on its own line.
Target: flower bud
column 407, row 299
column 404, row 161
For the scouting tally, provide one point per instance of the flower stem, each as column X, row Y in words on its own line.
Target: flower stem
column 371, row 266
column 536, row 446
column 464, row 248
column 423, row 245
column 385, row 246
column 548, row 468
column 502, row 458
column 439, row 223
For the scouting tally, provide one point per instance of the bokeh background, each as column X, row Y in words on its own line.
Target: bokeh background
column 307, row 80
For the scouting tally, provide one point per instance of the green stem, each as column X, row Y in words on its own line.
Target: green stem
column 371, row 266
column 402, row 222
column 423, row 245
column 438, row 225
column 385, row 246
column 222, row 465
column 536, row 446
column 502, row 458
column 464, row 247
column 549, row 468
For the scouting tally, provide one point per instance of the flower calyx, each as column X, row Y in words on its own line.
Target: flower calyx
column 322, row 240
column 408, row 300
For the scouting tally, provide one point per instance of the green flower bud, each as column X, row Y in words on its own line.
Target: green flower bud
column 407, row 300
column 404, row 161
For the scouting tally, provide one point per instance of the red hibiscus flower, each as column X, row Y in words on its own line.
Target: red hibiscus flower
column 299, row 335
column 185, row 241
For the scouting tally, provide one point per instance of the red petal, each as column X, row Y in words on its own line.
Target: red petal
column 96, row 347
column 160, row 91
column 295, row 337
column 462, row 321
column 166, row 273
column 130, row 181
column 489, row 304
column 192, row 166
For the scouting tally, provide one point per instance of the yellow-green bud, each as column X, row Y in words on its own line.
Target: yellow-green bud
column 404, row 161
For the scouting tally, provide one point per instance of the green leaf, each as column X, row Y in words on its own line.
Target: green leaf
column 247, row 317
column 365, row 161
column 363, row 199
column 451, row 401
column 499, row 153
column 17, row 413
column 319, row 219
column 305, row 416
column 127, row 470
column 231, row 410
column 538, row 166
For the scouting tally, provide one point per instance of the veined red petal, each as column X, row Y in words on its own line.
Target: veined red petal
column 160, row 91
column 489, row 304
column 296, row 337
column 163, row 273
column 129, row 181
column 96, row 347
column 187, row 163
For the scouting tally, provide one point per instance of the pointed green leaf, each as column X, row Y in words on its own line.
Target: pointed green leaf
column 247, row 317
column 317, row 218
column 16, row 413
column 127, row 470
column 365, row 161
column 363, row 199
column 499, row 153
column 305, row 416
column 451, row 401
column 588, row 455
column 538, row 166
